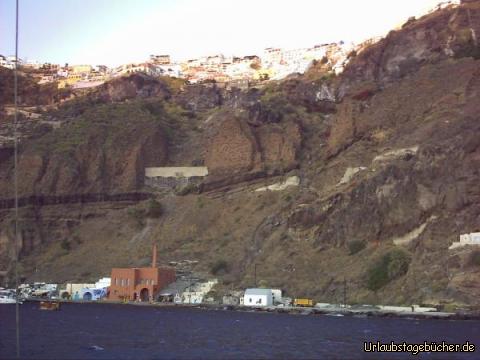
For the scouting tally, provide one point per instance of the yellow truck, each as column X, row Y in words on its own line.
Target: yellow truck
column 303, row 302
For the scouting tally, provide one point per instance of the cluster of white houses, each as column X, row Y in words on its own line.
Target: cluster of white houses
column 179, row 292
column 274, row 63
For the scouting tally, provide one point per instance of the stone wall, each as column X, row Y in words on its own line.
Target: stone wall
column 177, row 172
column 170, row 177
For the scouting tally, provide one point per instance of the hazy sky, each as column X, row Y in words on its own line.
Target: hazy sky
column 112, row 32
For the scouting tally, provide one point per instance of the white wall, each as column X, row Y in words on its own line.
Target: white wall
column 73, row 288
column 103, row 282
column 176, row 171
column 196, row 292
column 276, row 295
column 192, row 298
column 467, row 239
column 472, row 238
column 412, row 308
column 257, row 300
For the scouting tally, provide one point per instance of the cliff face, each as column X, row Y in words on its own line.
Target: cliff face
column 450, row 32
column 238, row 150
column 387, row 152
column 138, row 86
column 102, row 151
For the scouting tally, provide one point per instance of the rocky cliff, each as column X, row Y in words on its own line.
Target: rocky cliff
column 387, row 154
column 237, row 150
column 103, row 150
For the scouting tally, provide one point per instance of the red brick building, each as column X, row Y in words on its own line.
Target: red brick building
column 140, row 283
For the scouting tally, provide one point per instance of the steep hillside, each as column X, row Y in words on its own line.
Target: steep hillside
column 102, row 150
column 387, row 153
column 29, row 92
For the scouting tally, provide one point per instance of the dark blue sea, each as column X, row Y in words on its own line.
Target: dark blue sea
column 99, row 331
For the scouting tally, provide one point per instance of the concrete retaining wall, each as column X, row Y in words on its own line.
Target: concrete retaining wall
column 176, row 172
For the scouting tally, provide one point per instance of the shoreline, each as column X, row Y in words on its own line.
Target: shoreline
column 365, row 313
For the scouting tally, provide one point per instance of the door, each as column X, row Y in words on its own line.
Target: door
column 144, row 296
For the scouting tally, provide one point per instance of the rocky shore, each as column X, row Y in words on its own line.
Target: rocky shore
column 334, row 311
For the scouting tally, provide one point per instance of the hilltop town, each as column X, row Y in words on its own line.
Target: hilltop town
column 273, row 64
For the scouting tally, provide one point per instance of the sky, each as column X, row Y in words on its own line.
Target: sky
column 113, row 32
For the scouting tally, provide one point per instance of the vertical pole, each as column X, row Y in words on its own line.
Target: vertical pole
column 17, row 315
column 447, row 267
column 255, row 275
column 344, row 292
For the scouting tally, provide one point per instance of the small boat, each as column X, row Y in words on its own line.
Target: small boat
column 49, row 305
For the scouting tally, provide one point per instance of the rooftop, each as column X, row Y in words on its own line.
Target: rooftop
column 258, row 291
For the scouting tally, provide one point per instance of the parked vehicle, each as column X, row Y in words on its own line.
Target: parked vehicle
column 303, row 302
column 7, row 297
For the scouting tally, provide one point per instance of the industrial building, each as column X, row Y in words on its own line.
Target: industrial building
column 140, row 284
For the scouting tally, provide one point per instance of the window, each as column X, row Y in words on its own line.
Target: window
column 116, row 281
column 123, row 282
column 128, row 282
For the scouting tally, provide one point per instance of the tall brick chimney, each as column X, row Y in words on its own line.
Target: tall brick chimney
column 154, row 256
